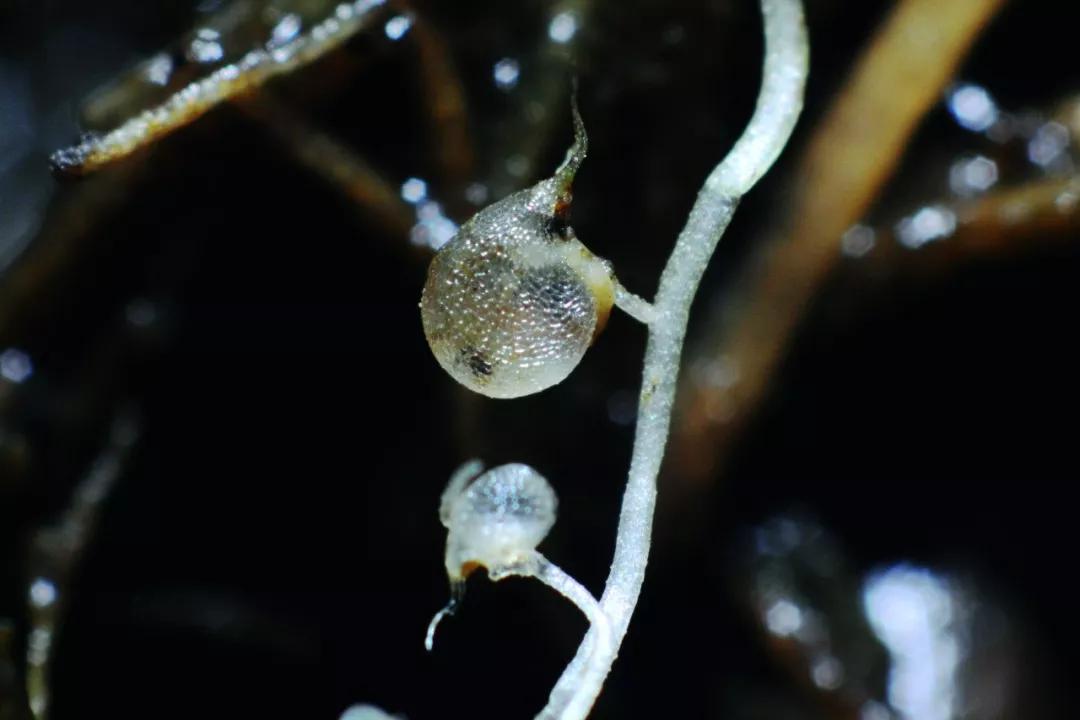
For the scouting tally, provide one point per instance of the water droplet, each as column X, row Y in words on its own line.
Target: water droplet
column 206, row 48
column 827, row 672
column 15, row 366
column 42, row 592
column 562, row 28
column 433, row 229
column 873, row 710
column 286, row 29
column 973, row 107
column 857, row 241
column 159, row 69
column 783, row 618
column 397, row 26
column 932, row 222
column 364, row 712
column 506, row 73
column 413, row 190
column 973, row 175
column 1048, row 144
column 912, row 611
column 477, row 193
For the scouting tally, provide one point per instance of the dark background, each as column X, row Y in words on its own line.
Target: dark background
column 273, row 547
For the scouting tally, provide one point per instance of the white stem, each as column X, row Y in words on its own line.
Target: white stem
column 778, row 107
column 457, row 593
column 633, row 305
column 539, row 567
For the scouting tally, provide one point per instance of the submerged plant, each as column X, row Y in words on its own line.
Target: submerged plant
column 495, row 521
column 511, row 304
column 513, row 301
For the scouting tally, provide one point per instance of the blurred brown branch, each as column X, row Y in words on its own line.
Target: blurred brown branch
column 443, row 95
column 223, row 84
column 329, row 158
column 852, row 153
column 1000, row 223
column 57, row 550
column 29, row 285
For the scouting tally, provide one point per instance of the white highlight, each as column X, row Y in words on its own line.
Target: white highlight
column 827, row 673
column 15, row 366
column 973, row 107
column 397, row 26
column 365, row 712
column 433, row 229
column 159, row 69
column 286, row 30
column 506, row 73
column 930, row 223
column 1048, row 144
column 562, row 28
column 971, row 176
column 783, row 618
column 42, row 592
column 857, row 241
column 205, row 48
column 912, row 612
column 413, row 190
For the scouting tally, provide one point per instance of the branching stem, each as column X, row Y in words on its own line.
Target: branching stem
column 601, row 641
column 633, row 305
column 778, row 107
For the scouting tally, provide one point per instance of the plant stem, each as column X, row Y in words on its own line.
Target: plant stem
column 778, row 106
column 539, row 567
column 636, row 307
